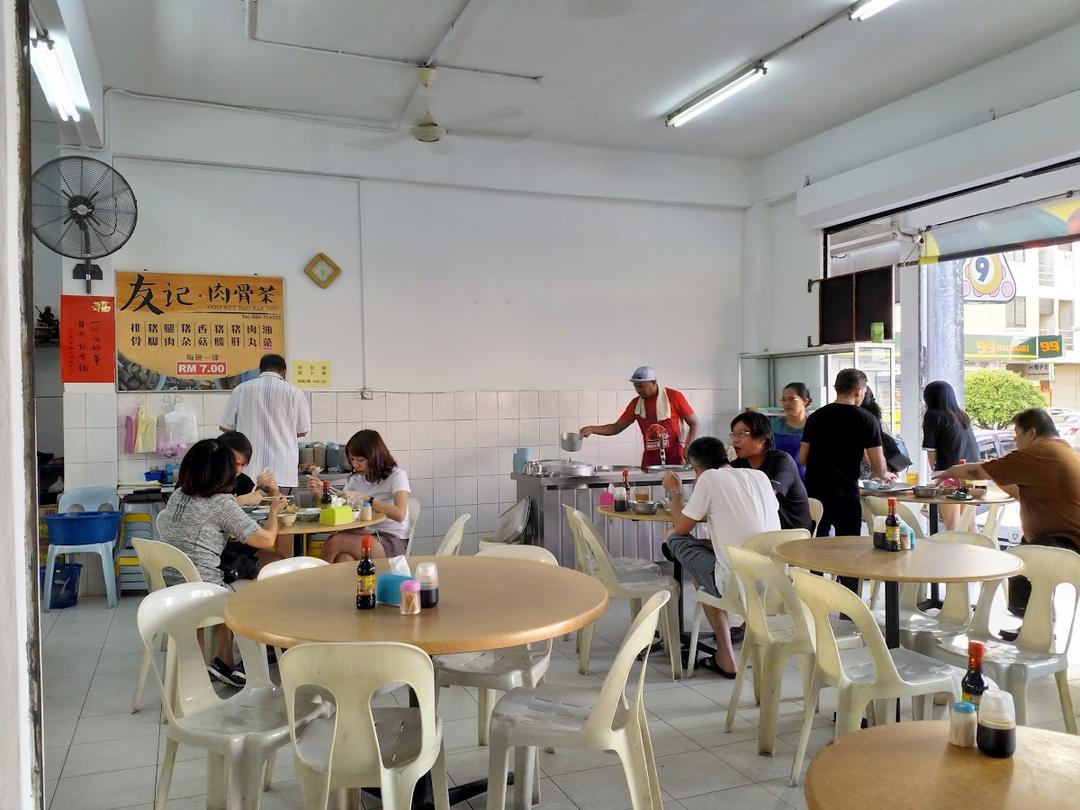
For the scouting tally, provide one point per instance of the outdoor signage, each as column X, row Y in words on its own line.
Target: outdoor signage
column 191, row 331
column 1011, row 347
column 87, row 339
column 988, row 280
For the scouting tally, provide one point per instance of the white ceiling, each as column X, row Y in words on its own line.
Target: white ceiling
column 611, row 68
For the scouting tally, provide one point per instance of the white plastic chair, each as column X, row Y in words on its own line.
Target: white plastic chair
column 155, row 558
column 287, row 566
column 869, row 673
column 85, row 499
column 498, row 670
column 362, row 745
column 414, row 516
column 817, row 509
column 625, row 566
column 762, row 543
column 511, row 525
column 451, row 541
column 635, row 587
column 772, row 637
column 600, row 719
column 240, row 733
column 1033, row 655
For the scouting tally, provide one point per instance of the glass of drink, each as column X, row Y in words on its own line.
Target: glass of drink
column 913, row 478
column 641, row 495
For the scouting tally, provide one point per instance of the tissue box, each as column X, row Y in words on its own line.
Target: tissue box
column 388, row 588
column 335, row 515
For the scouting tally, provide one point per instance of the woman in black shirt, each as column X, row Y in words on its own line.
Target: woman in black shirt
column 947, row 437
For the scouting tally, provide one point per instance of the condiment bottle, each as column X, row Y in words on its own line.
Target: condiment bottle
column 963, row 487
column 427, row 574
column 963, row 724
column 365, row 577
column 879, row 532
column 974, row 684
column 892, row 528
column 326, row 498
column 996, row 734
column 365, row 511
column 620, row 500
column 410, row 598
column 626, row 484
column 905, row 537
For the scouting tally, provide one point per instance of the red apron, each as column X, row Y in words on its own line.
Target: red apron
column 667, row 430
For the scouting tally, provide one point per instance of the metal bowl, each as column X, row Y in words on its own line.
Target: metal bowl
column 308, row 515
column 926, row 492
column 645, row 507
column 570, row 442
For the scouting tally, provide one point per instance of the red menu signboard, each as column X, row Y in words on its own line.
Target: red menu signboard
column 87, row 339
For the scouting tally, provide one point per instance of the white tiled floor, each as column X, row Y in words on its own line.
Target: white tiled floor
column 98, row 755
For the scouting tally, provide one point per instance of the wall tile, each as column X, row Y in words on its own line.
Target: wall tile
column 378, row 427
column 397, row 408
column 443, row 517
column 508, row 405
column 528, row 404
column 550, row 451
column 421, row 464
column 465, row 461
column 465, row 405
column 423, row 490
column 74, row 475
column 420, row 435
column 487, row 461
column 549, row 404
column 568, row 403
column 508, row 433
column 443, row 463
column 443, row 435
column 420, row 407
column 323, row 406
column 487, row 518
column 487, row 432
column 74, row 410
column 374, row 410
column 442, row 406
column 587, row 402
column 528, row 432
column 398, row 436
column 507, row 489
column 214, row 408
column 466, row 490
column 606, row 406
column 101, row 474
column 350, row 408
column 345, row 431
column 700, row 400
column 568, row 425
column 130, row 470
column 549, row 431
column 74, row 446
column 487, row 405
column 444, row 492
column 423, row 545
column 465, row 433
column 424, row 526
column 101, row 410
column 487, row 489
column 193, row 402
column 505, row 461
column 320, row 432
column 403, row 458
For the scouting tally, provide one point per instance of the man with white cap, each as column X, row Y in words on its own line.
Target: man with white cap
column 659, row 413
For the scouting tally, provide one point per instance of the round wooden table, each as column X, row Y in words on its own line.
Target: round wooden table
column 927, row 562
column 911, row 764
column 485, row 603
column 630, row 514
column 301, row 529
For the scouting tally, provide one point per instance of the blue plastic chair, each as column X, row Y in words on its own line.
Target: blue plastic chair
column 85, row 499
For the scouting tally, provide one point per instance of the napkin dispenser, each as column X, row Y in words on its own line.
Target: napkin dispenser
column 335, row 515
column 388, row 588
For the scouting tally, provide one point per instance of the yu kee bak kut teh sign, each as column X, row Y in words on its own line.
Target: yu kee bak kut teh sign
column 187, row 331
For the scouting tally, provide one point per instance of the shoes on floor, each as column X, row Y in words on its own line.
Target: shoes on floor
column 738, row 633
column 1009, row 635
column 229, row 675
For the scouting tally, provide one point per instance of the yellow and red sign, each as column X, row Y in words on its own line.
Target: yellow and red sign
column 87, row 341
column 185, row 330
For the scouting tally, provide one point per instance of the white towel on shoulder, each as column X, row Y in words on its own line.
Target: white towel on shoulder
column 663, row 406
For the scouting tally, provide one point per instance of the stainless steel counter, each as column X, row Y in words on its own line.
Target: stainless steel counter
column 547, row 520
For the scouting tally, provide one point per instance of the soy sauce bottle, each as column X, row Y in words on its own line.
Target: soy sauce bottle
column 365, row 578
column 892, row 528
column 326, row 498
column 974, row 684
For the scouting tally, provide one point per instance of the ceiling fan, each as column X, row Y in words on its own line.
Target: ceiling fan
column 427, row 129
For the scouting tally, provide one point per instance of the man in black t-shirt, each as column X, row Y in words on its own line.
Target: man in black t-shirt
column 834, row 442
column 752, row 438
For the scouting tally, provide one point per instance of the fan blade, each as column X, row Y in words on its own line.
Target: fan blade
column 509, row 135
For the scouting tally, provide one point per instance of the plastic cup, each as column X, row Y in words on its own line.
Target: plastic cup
column 912, row 478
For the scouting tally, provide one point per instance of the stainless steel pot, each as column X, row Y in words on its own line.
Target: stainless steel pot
column 558, row 468
column 570, row 442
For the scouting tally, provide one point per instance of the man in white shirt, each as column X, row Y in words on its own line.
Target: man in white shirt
column 736, row 504
column 273, row 414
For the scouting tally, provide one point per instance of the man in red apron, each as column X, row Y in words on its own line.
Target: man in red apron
column 658, row 412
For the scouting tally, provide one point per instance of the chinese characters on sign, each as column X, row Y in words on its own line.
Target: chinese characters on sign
column 188, row 331
column 311, row 373
column 87, row 338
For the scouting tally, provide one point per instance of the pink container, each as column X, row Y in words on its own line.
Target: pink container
column 607, row 499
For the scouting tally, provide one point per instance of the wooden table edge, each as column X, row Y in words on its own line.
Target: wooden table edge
column 313, row 527
column 847, row 572
column 660, row 517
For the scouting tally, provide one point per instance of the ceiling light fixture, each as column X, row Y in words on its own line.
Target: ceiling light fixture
column 714, row 95
column 50, row 73
column 866, row 9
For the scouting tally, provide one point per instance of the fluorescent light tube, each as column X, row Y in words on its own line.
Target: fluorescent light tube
column 710, row 98
column 50, row 74
column 868, row 8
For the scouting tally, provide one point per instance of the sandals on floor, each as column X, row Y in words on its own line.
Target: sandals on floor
column 709, row 663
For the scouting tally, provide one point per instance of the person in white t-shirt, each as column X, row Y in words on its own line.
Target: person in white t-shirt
column 376, row 478
column 736, row 504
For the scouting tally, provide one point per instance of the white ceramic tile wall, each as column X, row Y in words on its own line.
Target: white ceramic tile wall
column 456, row 447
